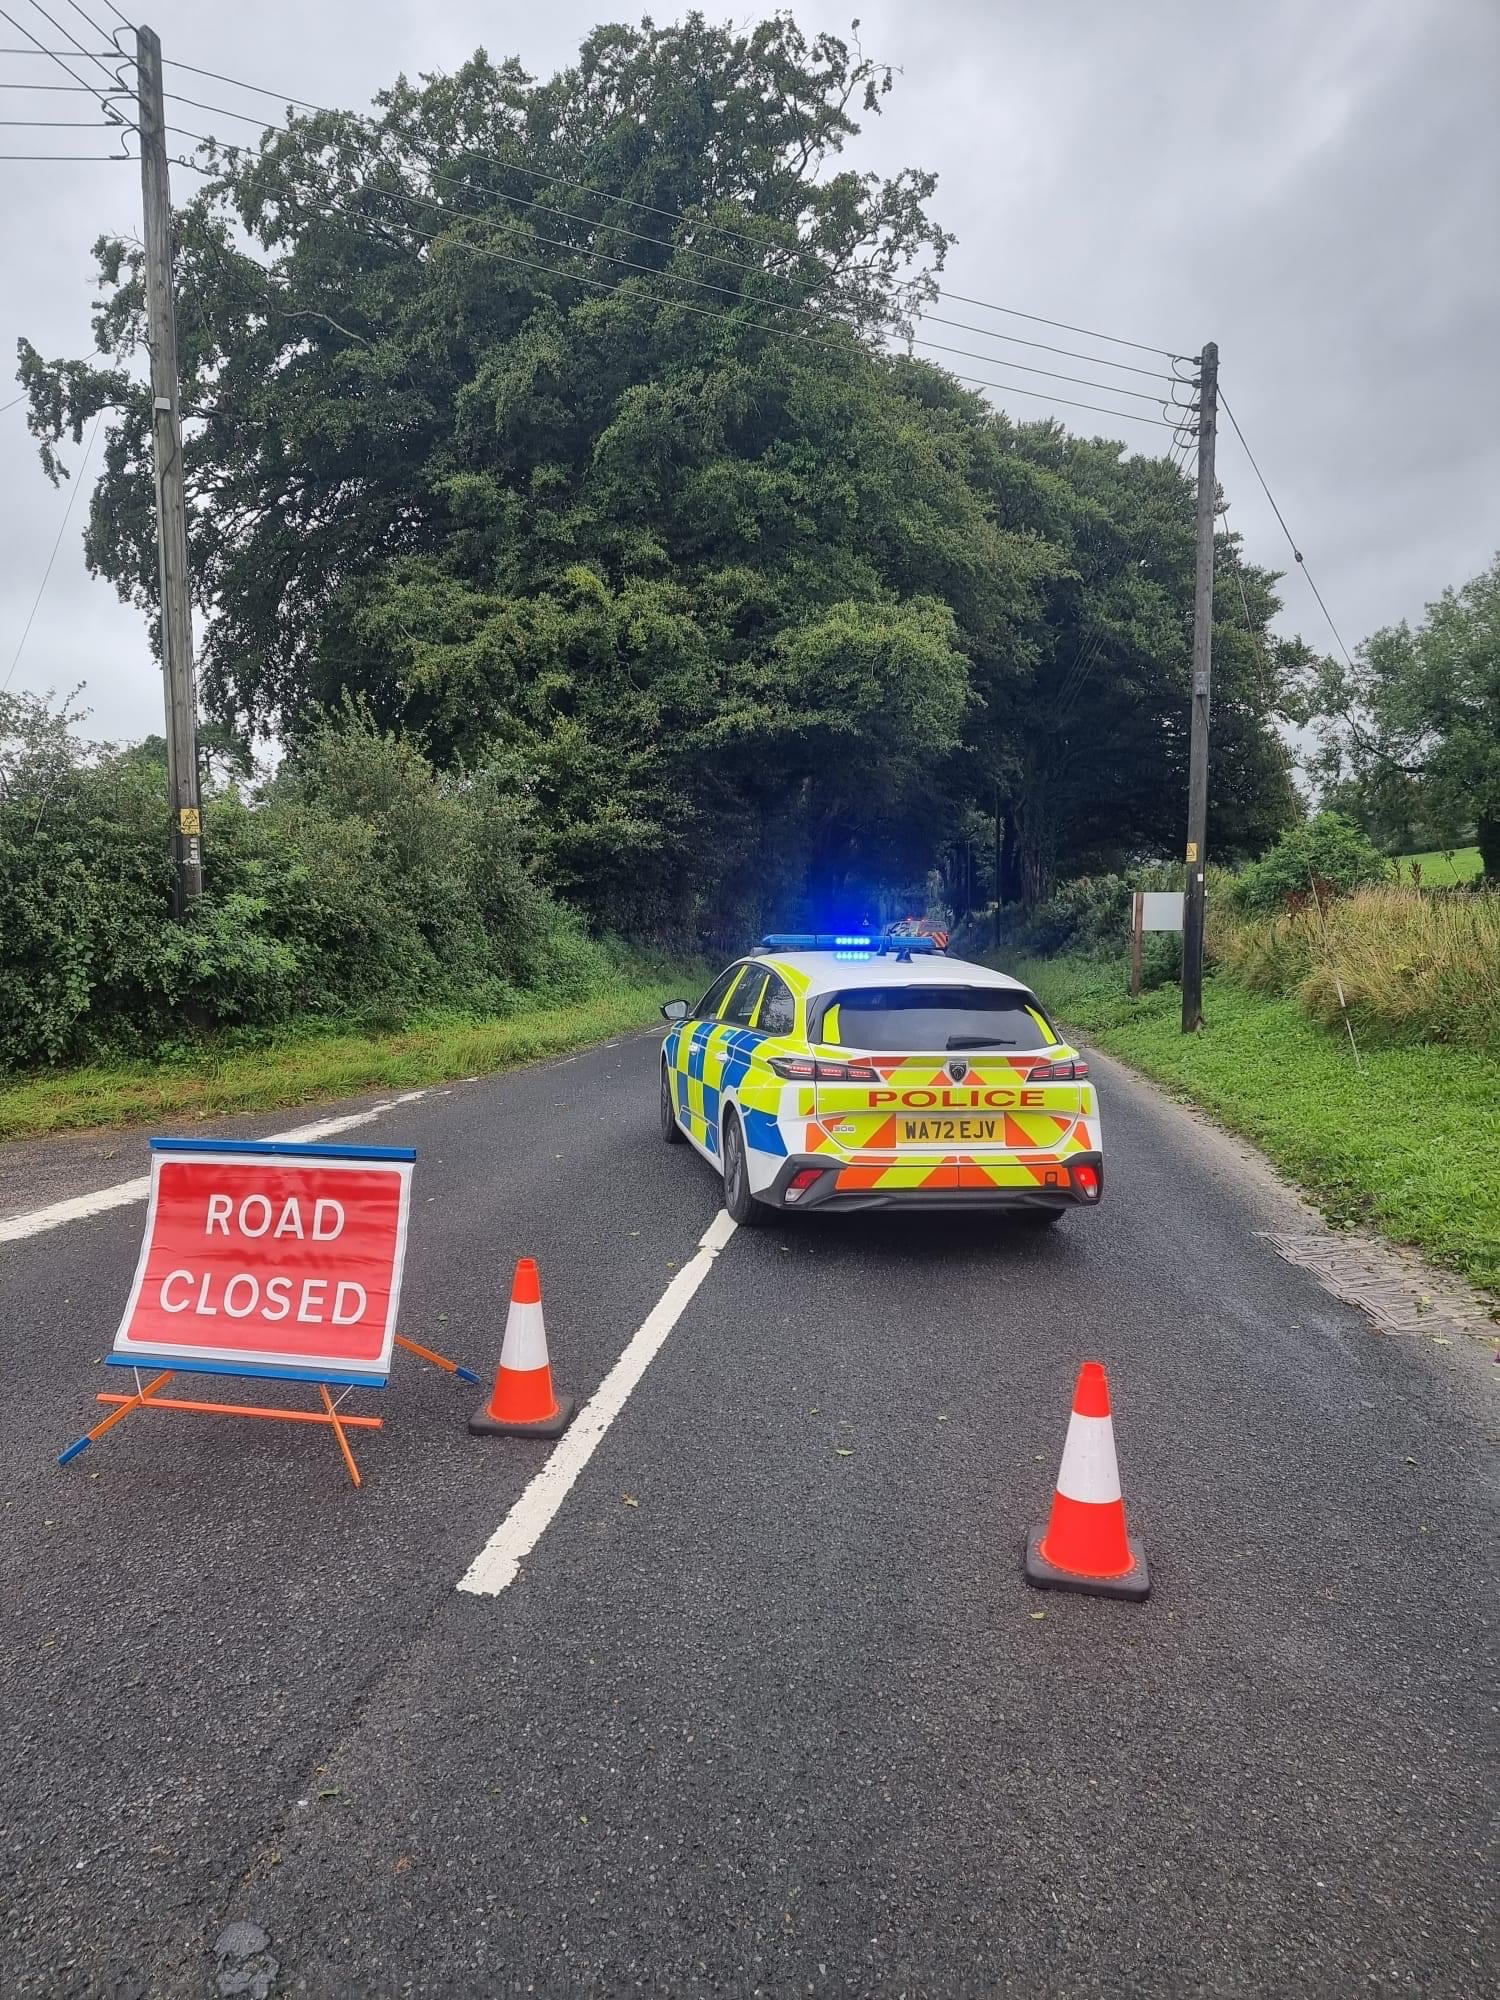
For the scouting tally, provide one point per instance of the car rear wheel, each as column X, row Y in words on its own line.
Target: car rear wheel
column 741, row 1204
column 671, row 1131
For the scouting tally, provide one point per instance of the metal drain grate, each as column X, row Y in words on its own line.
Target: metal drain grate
column 1399, row 1292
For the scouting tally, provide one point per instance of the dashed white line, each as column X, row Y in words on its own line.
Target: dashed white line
column 37, row 1220
column 499, row 1561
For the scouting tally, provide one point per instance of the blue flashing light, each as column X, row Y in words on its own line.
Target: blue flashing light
column 810, row 941
column 847, row 944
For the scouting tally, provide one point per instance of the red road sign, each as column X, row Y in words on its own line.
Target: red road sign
column 266, row 1259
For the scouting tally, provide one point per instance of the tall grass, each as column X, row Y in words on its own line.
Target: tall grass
column 1412, row 967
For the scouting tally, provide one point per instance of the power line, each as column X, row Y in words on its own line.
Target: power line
column 102, row 32
column 702, row 284
column 113, row 116
column 1291, row 541
column 678, row 215
column 685, row 305
column 62, row 530
column 1064, row 326
column 100, row 62
column 758, row 269
column 114, row 158
column 682, row 305
column 22, row 29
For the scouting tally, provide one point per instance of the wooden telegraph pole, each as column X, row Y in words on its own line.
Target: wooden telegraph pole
column 1203, row 631
column 171, row 496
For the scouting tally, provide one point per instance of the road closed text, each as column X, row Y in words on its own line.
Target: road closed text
column 306, row 1300
column 246, row 1295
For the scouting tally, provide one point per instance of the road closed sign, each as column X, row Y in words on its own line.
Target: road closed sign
column 266, row 1259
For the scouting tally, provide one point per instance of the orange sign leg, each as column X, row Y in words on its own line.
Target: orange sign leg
column 127, row 1404
column 338, row 1431
column 147, row 1399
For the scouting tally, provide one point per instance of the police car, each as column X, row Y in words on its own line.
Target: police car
column 852, row 1071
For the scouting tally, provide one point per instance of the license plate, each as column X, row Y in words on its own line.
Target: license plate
column 950, row 1131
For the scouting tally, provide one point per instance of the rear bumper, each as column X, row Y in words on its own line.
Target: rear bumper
column 826, row 1191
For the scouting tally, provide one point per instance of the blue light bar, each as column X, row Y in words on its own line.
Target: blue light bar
column 811, row 941
column 844, row 942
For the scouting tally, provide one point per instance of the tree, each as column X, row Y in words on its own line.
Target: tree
column 1084, row 752
column 1410, row 730
column 631, row 501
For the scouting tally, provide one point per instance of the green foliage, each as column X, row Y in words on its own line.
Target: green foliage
column 363, row 883
column 1326, row 855
column 1411, row 731
column 753, row 614
column 1089, row 916
column 1410, row 1144
column 241, row 1070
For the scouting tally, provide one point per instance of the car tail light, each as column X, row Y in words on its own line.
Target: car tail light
column 801, row 1069
column 801, row 1181
column 1058, row 1072
column 1086, row 1181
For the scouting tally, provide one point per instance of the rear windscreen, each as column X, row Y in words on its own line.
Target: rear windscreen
column 923, row 1019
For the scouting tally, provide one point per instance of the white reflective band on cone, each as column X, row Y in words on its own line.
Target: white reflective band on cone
column 525, row 1343
column 1089, row 1472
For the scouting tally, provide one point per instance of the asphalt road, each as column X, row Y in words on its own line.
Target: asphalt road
column 770, row 1708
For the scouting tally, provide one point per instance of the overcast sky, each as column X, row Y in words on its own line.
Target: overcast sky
column 1311, row 183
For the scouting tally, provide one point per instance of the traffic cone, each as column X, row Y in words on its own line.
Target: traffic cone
column 523, row 1402
column 1084, row 1545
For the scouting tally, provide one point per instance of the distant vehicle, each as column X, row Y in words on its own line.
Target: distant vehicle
column 854, row 1071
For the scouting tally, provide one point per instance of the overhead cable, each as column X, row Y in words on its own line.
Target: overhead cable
column 1291, row 541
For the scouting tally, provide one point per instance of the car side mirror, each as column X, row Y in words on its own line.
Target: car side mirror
column 675, row 1010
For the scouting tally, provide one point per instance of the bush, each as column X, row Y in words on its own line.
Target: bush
column 1328, row 851
column 362, row 884
column 1090, row 916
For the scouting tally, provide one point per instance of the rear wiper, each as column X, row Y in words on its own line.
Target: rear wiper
column 980, row 1042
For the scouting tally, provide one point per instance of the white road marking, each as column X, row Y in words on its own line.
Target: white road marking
column 14, row 1227
column 499, row 1561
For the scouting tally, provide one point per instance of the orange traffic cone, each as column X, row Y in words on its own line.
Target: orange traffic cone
column 1084, row 1545
column 523, row 1402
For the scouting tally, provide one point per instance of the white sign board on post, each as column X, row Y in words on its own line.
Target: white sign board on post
column 1151, row 910
column 1161, row 909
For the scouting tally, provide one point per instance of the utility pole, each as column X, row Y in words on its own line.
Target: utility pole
column 1203, row 632
column 171, row 496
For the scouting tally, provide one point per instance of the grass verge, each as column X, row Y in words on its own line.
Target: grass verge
column 300, row 1067
column 1410, row 1145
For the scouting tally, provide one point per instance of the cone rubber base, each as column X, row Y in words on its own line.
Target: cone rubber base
column 482, row 1424
column 1135, row 1584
